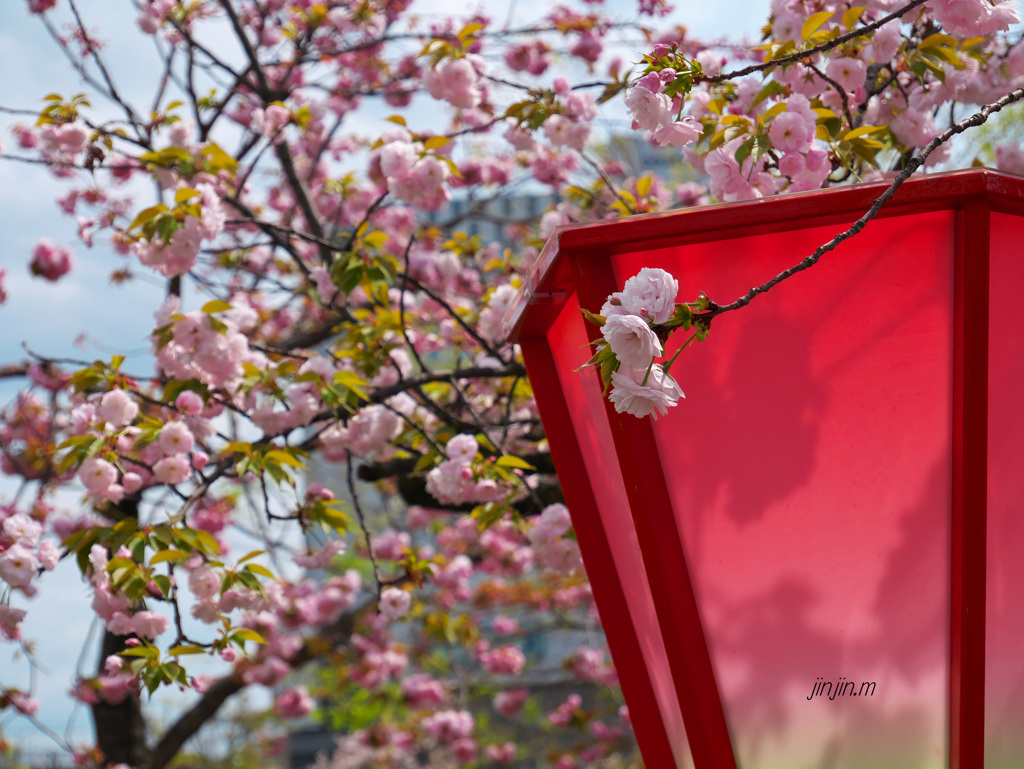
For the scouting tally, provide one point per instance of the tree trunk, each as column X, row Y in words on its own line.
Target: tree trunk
column 120, row 728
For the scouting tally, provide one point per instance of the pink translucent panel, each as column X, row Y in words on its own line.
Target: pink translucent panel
column 1004, row 635
column 584, row 402
column 810, row 472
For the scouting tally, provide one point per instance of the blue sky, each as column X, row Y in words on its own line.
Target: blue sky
column 49, row 317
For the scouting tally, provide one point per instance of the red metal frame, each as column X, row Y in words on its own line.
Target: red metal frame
column 574, row 266
column 633, row 675
column 667, row 573
column 970, row 480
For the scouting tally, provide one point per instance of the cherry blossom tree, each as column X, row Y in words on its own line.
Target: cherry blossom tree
column 329, row 369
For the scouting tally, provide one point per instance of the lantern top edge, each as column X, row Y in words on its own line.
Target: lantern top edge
column 548, row 284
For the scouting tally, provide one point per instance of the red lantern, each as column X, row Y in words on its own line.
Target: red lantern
column 816, row 558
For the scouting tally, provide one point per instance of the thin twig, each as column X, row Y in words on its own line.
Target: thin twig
column 362, row 518
column 838, row 89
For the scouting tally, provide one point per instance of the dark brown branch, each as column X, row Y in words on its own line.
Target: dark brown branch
column 474, row 372
column 13, row 370
column 250, row 52
column 111, row 88
column 799, row 55
column 218, row 693
column 190, row 723
column 376, row 471
column 120, row 728
column 456, row 317
column 838, row 89
column 350, row 482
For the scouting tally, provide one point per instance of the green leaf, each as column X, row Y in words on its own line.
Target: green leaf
column 168, row 555
column 129, row 525
column 511, row 461
column 852, row 16
column 776, row 109
column 813, row 23
column 174, row 651
column 141, row 651
column 250, row 555
column 218, row 159
column 937, row 40
column 245, row 634
column 185, row 193
column 284, row 458
column 353, row 382
column 426, row 461
column 376, row 239
column 164, row 583
column 597, row 320
column 773, row 87
column 147, row 215
column 864, row 130
column 206, row 542
column 682, row 316
column 744, row 150
column 470, row 29
column 487, row 514
column 263, row 571
column 217, row 305
column 436, row 142
column 333, row 517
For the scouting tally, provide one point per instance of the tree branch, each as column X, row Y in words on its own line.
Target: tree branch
column 218, row 693
column 799, row 55
column 913, row 164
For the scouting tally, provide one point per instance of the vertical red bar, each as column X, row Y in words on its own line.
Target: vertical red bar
column 970, row 480
column 634, row 676
column 664, row 559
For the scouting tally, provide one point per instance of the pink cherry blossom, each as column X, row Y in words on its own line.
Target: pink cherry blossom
column 97, row 474
column 394, row 602
column 22, row 529
column 848, row 72
column 294, row 703
column 322, row 557
column 49, row 261
column 505, row 660
column 172, row 470
column 204, row 582
column 10, row 618
column 678, row 133
column 791, row 131
column 631, row 396
column 455, row 81
column 509, row 703
column 631, row 339
column 175, row 438
column 650, row 109
column 17, row 565
column 447, row 726
column 149, row 624
column 189, row 403
column 650, row 294
column 117, row 408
